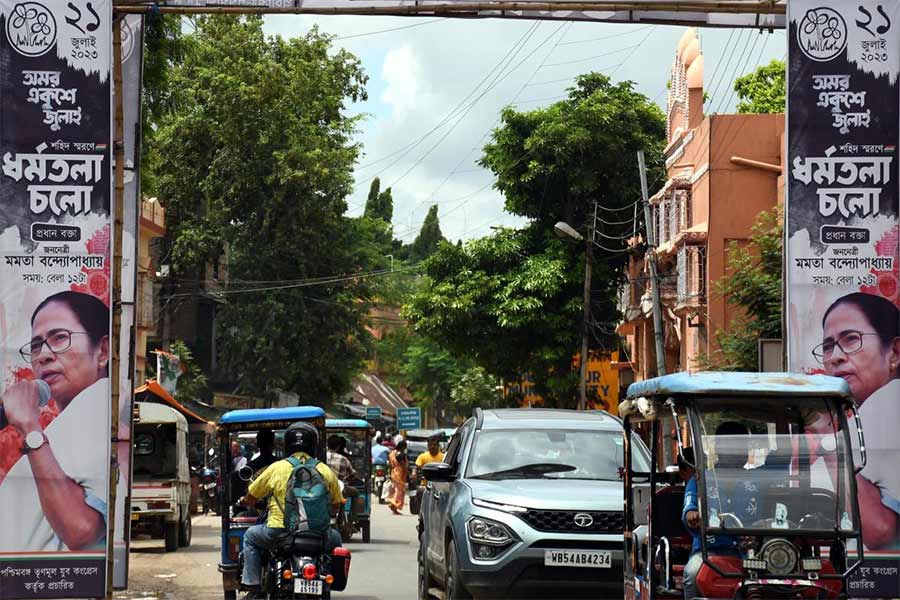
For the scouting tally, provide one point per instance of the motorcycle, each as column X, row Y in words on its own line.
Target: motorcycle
column 302, row 569
column 380, row 478
column 209, row 484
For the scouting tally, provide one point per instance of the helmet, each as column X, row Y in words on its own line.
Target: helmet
column 301, row 437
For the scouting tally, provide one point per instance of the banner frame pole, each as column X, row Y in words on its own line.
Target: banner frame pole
column 116, row 274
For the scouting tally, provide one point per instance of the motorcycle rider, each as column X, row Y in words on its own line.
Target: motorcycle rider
column 380, row 452
column 300, row 441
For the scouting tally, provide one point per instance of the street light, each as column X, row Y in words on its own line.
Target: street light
column 564, row 230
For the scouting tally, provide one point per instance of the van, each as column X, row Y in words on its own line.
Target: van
column 161, row 480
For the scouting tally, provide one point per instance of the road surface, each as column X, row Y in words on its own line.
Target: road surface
column 384, row 569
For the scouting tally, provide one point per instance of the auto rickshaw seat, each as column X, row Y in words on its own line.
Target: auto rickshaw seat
column 669, row 503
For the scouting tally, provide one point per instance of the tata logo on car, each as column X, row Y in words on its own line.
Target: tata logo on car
column 583, row 520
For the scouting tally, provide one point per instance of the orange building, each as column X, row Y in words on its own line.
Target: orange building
column 152, row 225
column 722, row 171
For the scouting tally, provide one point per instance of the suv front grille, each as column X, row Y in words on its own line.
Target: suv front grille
column 564, row 521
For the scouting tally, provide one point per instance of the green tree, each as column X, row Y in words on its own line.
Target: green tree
column 475, row 389
column 256, row 156
column 763, row 90
column 379, row 205
column 429, row 236
column 754, row 283
column 513, row 300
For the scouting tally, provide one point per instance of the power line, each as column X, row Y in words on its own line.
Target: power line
column 608, row 37
column 333, row 280
column 359, row 35
column 581, row 60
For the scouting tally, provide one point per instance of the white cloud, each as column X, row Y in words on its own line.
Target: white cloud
column 419, row 75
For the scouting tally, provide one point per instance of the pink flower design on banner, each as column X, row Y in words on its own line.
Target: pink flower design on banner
column 97, row 283
column 887, row 284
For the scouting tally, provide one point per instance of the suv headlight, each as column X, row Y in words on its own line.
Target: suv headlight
column 486, row 531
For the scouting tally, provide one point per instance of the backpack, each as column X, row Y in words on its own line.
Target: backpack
column 306, row 500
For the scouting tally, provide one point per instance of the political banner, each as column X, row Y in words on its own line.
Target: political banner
column 55, row 232
column 132, row 59
column 842, row 248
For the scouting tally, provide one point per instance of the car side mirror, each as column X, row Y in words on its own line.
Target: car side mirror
column 438, row 472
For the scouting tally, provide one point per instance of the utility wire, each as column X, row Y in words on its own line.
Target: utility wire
column 608, row 37
column 359, row 35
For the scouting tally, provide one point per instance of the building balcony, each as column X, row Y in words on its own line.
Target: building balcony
column 691, row 292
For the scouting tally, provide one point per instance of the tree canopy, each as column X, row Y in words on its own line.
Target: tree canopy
column 255, row 159
column 763, row 90
column 513, row 300
column 379, row 204
column 429, row 236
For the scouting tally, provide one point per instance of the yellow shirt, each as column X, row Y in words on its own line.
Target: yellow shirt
column 273, row 483
column 426, row 458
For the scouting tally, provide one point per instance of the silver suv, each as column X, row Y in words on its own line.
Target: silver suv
column 528, row 503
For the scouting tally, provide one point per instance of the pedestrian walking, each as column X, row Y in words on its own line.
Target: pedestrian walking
column 399, row 477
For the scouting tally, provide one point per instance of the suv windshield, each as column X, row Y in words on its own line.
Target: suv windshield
column 775, row 465
column 549, row 454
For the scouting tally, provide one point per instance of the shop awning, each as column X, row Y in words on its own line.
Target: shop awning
column 153, row 387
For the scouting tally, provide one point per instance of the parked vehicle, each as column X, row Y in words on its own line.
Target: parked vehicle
column 161, row 488
column 358, row 433
column 527, row 503
column 756, row 434
column 243, row 425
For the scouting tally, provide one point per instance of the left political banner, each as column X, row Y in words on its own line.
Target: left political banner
column 55, row 260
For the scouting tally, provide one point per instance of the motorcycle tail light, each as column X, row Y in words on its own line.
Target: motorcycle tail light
column 329, row 579
column 309, row 571
column 288, row 574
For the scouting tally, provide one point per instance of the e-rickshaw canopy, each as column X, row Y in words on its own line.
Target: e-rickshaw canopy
column 727, row 383
column 288, row 413
column 346, row 424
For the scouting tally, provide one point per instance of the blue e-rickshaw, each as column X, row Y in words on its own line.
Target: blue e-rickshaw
column 241, row 426
column 358, row 434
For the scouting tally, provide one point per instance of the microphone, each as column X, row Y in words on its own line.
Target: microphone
column 43, row 399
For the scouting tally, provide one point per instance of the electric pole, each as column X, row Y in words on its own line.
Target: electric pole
column 586, row 324
column 651, row 261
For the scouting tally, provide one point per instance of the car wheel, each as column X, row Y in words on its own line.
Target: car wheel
column 453, row 588
column 184, row 537
column 171, row 536
column 425, row 581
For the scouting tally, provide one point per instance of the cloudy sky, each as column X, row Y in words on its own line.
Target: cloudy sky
column 436, row 88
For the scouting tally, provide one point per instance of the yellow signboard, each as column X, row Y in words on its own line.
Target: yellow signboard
column 602, row 385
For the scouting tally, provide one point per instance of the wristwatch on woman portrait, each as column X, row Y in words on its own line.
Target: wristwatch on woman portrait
column 34, row 440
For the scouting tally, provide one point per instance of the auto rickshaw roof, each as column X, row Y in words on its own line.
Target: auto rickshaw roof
column 346, row 424
column 287, row 413
column 727, row 383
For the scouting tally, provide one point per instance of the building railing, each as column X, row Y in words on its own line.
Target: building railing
column 691, row 276
column 672, row 215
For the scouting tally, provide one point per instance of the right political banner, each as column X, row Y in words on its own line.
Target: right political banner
column 843, row 239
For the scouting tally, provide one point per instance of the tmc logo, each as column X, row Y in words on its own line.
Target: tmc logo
column 31, row 29
column 583, row 520
column 822, row 34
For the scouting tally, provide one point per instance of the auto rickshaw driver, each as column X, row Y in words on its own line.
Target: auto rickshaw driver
column 739, row 499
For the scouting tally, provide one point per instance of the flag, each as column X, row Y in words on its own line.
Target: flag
column 168, row 370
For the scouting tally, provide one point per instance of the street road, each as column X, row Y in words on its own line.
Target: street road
column 384, row 569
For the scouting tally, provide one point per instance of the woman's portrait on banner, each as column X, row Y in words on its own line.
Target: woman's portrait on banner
column 54, row 496
column 861, row 344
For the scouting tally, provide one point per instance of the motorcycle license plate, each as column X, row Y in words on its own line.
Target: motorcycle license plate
column 577, row 558
column 305, row 586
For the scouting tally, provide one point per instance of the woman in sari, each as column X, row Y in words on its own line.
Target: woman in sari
column 399, row 476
